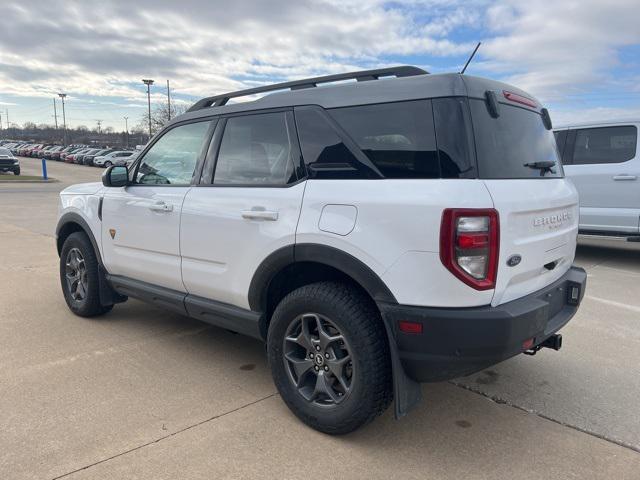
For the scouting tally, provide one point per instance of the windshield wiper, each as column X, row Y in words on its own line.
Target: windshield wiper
column 544, row 166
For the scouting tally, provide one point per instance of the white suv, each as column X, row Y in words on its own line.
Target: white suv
column 119, row 157
column 376, row 234
column 603, row 162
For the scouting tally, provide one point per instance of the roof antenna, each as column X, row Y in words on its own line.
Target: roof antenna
column 470, row 58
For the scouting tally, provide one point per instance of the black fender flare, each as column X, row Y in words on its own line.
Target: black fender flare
column 69, row 218
column 407, row 392
column 323, row 254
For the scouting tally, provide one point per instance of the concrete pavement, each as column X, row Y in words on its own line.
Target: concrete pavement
column 143, row 393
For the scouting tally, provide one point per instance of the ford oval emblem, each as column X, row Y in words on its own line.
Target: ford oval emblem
column 514, row 260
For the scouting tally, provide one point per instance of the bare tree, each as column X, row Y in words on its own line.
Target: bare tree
column 160, row 116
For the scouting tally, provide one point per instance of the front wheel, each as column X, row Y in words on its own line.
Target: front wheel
column 16, row 171
column 107, row 164
column 79, row 276
column 329, row 357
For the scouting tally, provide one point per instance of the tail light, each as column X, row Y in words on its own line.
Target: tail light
column 469, row 244
column 514, row 97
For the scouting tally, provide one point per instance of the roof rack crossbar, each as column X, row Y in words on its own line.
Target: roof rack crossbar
column 361, row 76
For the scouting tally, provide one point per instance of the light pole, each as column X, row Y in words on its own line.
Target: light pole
column 168, row 102
column 55, row 113
column 148, row 83
column 126, row 130
column 64, row 118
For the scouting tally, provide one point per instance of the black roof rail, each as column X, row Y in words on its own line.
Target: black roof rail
column 361, row 76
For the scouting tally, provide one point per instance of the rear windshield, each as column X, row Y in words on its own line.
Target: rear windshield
column 511, row 145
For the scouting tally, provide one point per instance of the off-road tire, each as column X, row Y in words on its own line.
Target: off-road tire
column 358, row 320
column 90, row 305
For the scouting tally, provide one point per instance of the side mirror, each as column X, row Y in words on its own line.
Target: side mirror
column 115, row 176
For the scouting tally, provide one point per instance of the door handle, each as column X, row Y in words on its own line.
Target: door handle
column 259, row 215
column 624, row 177
column 160, row 207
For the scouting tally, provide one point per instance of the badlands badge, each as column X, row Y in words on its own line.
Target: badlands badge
column 112, row 232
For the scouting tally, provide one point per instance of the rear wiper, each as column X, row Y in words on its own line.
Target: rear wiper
column 544, row 166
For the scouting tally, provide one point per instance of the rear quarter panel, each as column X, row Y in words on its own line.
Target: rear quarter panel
column 397, row 232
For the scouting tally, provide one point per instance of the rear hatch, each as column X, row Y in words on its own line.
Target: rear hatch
column 538, row 208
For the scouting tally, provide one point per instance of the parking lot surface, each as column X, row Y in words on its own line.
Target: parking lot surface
column 143, row 393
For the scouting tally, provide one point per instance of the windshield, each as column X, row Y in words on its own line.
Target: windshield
column 514, row 145
column 4, row 151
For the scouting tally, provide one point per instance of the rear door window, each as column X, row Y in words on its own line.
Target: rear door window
column 511, row 145
column 605, row 145
column 256, row 150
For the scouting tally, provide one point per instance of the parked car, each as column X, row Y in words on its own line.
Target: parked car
column 79, row 158
column 26, row 149
column 42, row 153
column 602, row 161
column 54, row 151
column 88, row 159
column 17, row 148
column 117, row 157
column 8, row 162
column 33, row 152
column 59, row 155
column 71, row 157
column 375, row 234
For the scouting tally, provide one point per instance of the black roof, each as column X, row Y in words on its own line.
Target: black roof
column 411, row 83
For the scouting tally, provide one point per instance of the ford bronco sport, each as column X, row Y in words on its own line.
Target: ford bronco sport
column 375, row 234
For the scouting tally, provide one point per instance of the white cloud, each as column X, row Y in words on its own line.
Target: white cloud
column 103, row 48
column 561, row 51
column 596, row 114
column 557, row 48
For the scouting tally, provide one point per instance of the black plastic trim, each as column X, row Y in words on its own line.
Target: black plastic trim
column 348, row 264
column 224, row 315
column 72, row 217
column 311, row 252
column 215, row 313
column 461, row 341
column 266, row 271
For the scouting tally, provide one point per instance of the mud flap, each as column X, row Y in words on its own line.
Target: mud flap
column 407, row 393
column 108, row 296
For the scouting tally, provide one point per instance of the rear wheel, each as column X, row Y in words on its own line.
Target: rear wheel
column 79, row 276
column 329, row 357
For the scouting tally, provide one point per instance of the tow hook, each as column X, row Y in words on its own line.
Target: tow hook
column 554, row 342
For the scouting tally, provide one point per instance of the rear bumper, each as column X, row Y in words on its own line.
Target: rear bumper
column 462, row 341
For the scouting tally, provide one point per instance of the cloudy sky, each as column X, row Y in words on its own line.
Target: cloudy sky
column 582, row 58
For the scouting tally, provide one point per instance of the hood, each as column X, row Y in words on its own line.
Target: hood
column 83, row 189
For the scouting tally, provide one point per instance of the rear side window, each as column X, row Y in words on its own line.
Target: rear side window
column 605, row 145
column 398, row 138
column 324, row 150
column 255, row 150
column 511, row 145
column 454, row 137
column 561, row 140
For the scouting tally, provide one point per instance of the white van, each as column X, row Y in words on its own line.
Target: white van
column 602, row 161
